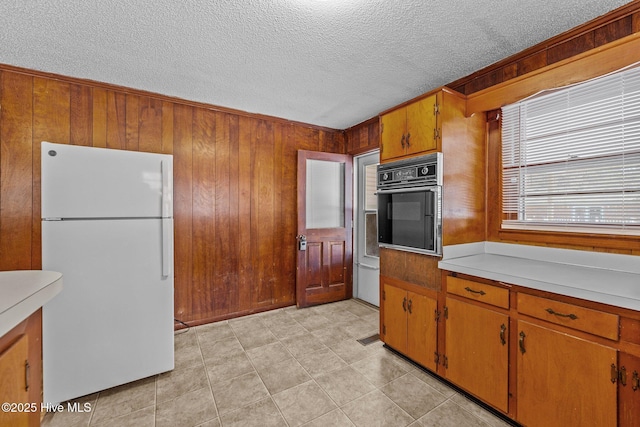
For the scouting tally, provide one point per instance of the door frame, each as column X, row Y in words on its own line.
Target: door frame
column 358, row 246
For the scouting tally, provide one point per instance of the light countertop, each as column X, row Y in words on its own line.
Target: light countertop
column 23, row 292
column 594, row 276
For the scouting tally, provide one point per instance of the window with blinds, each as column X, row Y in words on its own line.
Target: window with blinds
column 571, row 157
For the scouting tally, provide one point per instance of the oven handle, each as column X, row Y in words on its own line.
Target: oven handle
column 408, row 190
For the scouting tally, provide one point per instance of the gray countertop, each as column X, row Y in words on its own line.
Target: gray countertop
column 24, row 292
column 600, row 277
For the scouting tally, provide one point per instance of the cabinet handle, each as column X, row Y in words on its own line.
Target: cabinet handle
column 407, row 141
column 27, row 370
column 622, row 376
column 635, row 381
column 404, row 303
column 614, row 373
column 521, row 342
column 503, row 329
column 570, row 315
column 409, row 306
column 402, row 140
column 473, row 291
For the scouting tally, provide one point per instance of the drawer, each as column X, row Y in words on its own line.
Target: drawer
column 488, row 294
column 573, row 316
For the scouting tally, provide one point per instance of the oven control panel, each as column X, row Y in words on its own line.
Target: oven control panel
column 414, row 172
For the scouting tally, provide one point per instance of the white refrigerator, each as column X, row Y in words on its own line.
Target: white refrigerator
column 107, row 226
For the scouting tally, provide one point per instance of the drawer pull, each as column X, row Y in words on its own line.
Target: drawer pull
column 473, row 291
column 521, row 342
column 404, row 304
column 409, row 306
column 555, row 313
column 503, row 329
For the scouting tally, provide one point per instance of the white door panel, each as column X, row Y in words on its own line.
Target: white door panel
column 89, row 182
column 113, row 321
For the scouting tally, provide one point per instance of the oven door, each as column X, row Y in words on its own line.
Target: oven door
column 409, row 219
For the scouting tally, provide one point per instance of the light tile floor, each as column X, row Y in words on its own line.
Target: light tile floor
column 286, row 367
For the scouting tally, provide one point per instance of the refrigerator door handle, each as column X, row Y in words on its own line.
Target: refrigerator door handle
column 167, row 238
column 167, row 189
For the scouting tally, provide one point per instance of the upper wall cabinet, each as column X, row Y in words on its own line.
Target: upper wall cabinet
column 410, row 129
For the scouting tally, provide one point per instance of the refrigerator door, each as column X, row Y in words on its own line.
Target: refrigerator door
column 113, row 321
column 89, row 182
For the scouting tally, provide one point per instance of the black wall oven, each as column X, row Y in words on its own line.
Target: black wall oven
column 410, row 204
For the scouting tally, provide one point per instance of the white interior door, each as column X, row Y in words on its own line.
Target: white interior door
column 366, row 260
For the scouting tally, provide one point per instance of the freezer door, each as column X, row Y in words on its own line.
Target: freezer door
column 113, row 321
column 89, row 182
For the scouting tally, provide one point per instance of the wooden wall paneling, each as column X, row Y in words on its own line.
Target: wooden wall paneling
column 234, row 184
column 132, row 119
column 233, row 135
column 569, row 48
column 183, row 212
column 51, row 122
column 81, row 115
column 167, row 127
column 289, row 216
column 494, row 176
column 245, row 245
column 279, row 246
column 16, row 168
column 225, row 248
column 613, row 31
column 362, row 138
column 203, row 231
column 99, row 111
column 116, row 120
column 262, row 212
column 149, row 125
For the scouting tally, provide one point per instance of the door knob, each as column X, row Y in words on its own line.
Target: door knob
column 302, row 242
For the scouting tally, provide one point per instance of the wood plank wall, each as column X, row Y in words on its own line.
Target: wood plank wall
column 363, row 137
column 234, row 176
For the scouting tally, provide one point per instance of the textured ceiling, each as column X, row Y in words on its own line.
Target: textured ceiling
column 331, row 63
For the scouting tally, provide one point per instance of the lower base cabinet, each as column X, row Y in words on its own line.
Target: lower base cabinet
column 564, row 380
column 409, row 325
column 543, row 360
column 14, row 384
column 477, row 354
column 629, row 391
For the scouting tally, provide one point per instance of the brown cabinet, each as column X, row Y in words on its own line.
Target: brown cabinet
column 410, row 129
column 21, row 373
column 14, row 384
column 476, row 356
column 629, row 391
column 564, row 380
column 409, row 324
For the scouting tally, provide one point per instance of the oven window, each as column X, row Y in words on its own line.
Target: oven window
column 406, row 211
column 408, row 219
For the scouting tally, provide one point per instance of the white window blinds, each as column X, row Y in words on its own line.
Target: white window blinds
column 571, row 157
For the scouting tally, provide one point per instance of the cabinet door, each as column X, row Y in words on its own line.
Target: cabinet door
column 421, row 329
column 13, row 382
column 629, row 392
column 395, row 318
column 421, row 125
column 393, row 134
column 477, row 351
column 563, row 380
